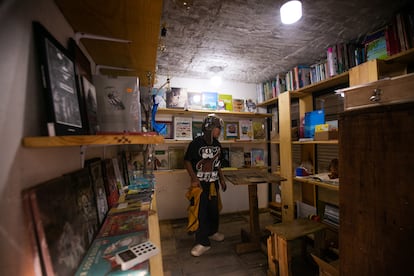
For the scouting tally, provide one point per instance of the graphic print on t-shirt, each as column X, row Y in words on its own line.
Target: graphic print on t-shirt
column 207, row 167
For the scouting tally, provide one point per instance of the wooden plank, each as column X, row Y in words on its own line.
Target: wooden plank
column 190, row 112
column 286, row 167
column 85, row 140
column 156, row 266
column 296, row 228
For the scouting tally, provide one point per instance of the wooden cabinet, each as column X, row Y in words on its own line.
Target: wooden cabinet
column 376, row 196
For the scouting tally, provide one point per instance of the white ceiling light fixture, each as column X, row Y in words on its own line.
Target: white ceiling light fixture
column 291, row 11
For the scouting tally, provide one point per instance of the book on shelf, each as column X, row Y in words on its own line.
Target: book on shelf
column 66, row 220
column 259, row 132
column 225, row 157
column 162, row 160
column 110, row 181
column 197, row 128
column 183, row 128
column 257, row 158
column 96, row 176
column 194, row 100
column 209, row 100
column 176, row 98
column 245, row 130
column 231, row 130
column 238, row 105
column 236, row 157
column 250, row 106
column 225, row 102
column 90, row 105
column 100, row 258
column 247, row 159
column 124, row 223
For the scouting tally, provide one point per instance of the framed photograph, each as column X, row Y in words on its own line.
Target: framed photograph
column 59, row 82
column 183, row 128
column 231, row 130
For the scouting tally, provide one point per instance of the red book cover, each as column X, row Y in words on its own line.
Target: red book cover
column 124, row 223
column 110, row 182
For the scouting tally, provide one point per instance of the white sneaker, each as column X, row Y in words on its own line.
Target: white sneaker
column 217, row 237
column 199, row 250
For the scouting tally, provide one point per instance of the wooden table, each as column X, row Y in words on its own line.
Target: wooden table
column 278, row 243
column 252, row 178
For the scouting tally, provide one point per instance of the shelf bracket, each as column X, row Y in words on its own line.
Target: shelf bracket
column 82, row 155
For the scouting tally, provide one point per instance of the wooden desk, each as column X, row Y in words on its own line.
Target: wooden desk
column 251, row 240
column 278, row 243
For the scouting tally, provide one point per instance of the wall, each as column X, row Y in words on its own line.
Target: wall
column 21, row 113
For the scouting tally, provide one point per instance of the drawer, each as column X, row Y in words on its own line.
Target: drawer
column 387, row 91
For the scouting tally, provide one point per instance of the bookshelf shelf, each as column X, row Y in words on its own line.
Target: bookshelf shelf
column 223, row 142
column 89, row 140
column 327, row 142
column 172, row 111
column 317, row 183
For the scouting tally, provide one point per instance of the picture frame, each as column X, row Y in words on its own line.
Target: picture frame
column 231, row 130
column 183, row 128
column 64, row 115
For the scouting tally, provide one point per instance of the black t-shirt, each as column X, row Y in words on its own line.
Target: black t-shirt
column 205, row 159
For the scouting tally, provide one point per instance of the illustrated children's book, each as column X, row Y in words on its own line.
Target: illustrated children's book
column 225, row 102
column 124, row 223
column 100, row 258
column 209, row 100
column 231, row 130
column 245, row 130
column 238, row 105
column 259, row 132
column 257, row 158
column 197, row 129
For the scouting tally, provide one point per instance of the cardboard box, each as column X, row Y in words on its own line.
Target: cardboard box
column 326, row 135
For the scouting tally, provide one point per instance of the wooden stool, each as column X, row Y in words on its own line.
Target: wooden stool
column 282, row 234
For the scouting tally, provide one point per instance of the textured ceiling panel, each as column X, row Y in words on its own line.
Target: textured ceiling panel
column 246, row 37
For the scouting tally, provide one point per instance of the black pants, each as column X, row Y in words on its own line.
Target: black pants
column 208, row 214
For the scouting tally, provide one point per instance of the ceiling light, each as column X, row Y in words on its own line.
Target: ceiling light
column 216, row 80
column 291, row 11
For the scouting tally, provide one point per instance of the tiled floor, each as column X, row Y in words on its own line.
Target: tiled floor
column 221, row 259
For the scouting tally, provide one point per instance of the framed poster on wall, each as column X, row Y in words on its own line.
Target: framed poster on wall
column 59, row 83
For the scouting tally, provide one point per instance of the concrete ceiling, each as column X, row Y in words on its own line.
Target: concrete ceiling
column 243, row 37
column 247, row 40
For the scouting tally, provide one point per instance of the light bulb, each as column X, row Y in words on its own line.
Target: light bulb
column 216, row 80
column 291, row 12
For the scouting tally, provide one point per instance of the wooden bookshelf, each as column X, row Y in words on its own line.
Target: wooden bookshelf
column 190, row 112
column 327, row 142
column 317, row 183
column 90, row 140
column 223, row 142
